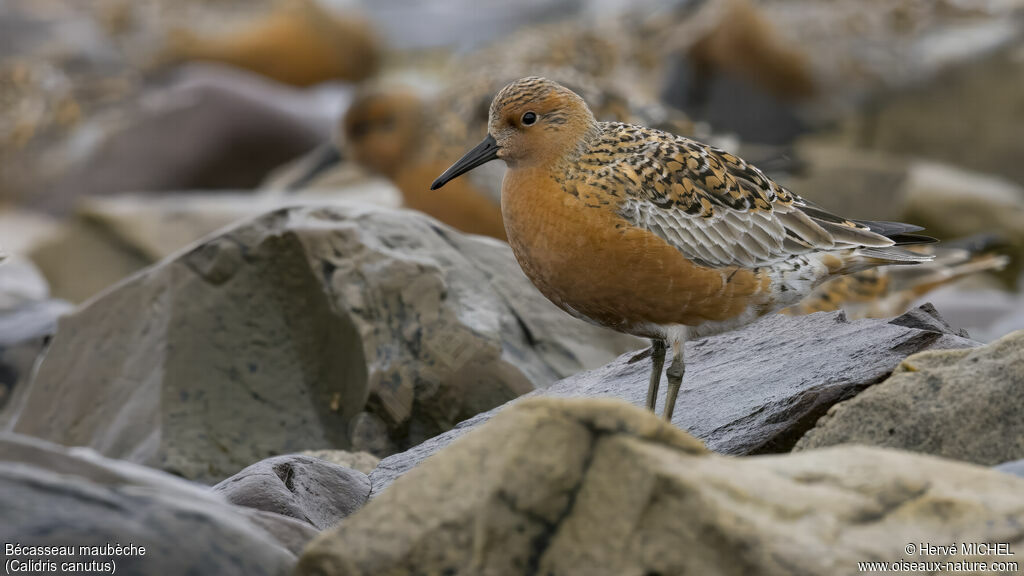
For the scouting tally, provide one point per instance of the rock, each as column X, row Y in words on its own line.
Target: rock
column 53, row 496
column 980, row 203
column 309, row 489
column 572, row 486
column 361, row 461
column 961, row 404
column 112, row 237
column 950, row 202
column 345, row 327
column 204, row 128
column 28, row 317
column 852, row 182
column 754, row 390
column 866, row 50
column 1016, row 468
column 460, row 24
column 981, row 98
column 81, row 259
column 20, row 283
column 24, row 334
column 21, row 229
column 986, row 312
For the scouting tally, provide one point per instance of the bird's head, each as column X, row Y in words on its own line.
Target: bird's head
column 382, row 126
column 532, row 122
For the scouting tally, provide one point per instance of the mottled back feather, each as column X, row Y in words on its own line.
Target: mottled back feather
column 714, row 207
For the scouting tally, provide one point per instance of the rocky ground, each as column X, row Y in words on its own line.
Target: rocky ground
column 250, row 380
column 347, row 327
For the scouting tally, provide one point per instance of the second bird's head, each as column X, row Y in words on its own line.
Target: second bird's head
column 532, row 121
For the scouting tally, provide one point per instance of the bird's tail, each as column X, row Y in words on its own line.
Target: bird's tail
column 893, row 255
column 902, row 251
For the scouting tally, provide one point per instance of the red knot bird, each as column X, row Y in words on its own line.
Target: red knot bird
column 657, row 235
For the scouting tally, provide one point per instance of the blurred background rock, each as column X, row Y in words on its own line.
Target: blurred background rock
column 131, row 129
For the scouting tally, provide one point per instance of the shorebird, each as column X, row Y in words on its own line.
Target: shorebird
column 301, row 43
column 654, row 234
column 890, row 291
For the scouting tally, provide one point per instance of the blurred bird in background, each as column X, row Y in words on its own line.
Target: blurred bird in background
column 299, row 43
column 890, row 291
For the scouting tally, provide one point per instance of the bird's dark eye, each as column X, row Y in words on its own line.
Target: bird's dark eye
column 529, row 118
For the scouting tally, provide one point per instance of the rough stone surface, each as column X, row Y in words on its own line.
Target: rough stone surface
column 361, row 461
column 751, row 391
column 350, row 327
column 571, row 486
column 303, row 487
column 962, row 404
column 53, row 496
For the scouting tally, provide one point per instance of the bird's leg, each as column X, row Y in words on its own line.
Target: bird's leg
column 675, row 377
column 657, row 364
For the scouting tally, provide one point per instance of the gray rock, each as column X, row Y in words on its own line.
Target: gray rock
column 303, row 487
column 349, row 327
column 560, row 486
column 987, row 313
column 752, row 391
column 962, row 404
column 981, row 203
column 851, row 181
column 863, row 50
column 21, row 282
column 1016, row 468
column 112, row 237
column 461, row 24
column 24, row 334
column 209, row 127
column 53, row 496
column 983, row 95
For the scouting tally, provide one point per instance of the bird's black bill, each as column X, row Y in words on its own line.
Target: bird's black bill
column 483, row 153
